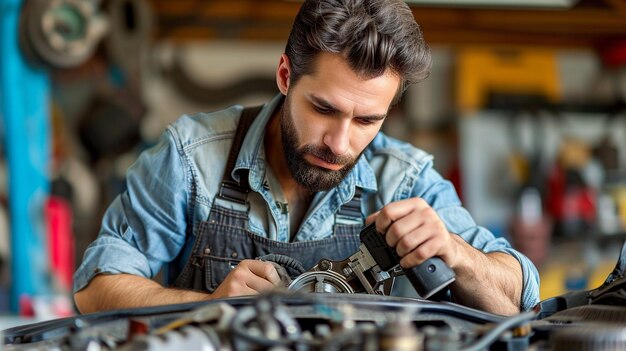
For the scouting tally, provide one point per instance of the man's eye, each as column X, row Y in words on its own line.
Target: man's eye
column 365, row 122
column 323, row 111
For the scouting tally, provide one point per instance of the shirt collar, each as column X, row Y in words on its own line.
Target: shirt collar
column 251, row 158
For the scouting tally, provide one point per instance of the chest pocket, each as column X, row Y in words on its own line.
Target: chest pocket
column 216, row 269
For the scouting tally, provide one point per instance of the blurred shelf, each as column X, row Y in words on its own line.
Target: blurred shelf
column 597, row 237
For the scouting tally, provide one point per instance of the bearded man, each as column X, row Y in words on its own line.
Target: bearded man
column 300, row 177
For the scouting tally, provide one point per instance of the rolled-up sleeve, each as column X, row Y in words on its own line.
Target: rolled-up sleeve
column 484, row 240
column 145, row 226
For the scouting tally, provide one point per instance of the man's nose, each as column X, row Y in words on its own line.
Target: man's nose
column 337, row 137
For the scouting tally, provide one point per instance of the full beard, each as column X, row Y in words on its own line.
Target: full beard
column 311, row 177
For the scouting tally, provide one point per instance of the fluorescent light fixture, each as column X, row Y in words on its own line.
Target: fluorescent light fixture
column 497, row 3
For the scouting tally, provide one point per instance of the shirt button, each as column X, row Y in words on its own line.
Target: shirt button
column 207, row 251
column 233, row 255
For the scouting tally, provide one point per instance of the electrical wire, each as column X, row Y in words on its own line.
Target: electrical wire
column 491, row 336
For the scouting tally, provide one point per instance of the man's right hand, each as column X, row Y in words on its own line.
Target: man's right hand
column 114, row 291
column 249, row 277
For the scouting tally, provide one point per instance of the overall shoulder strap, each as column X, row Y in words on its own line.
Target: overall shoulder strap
column 231, row 189
column 352, row 208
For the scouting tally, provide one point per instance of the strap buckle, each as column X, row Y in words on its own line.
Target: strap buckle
column 232, row 191
column 352, row 208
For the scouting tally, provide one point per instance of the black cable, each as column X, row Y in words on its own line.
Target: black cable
column 491, row 336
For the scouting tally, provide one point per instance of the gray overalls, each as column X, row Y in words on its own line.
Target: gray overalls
column 223, row 240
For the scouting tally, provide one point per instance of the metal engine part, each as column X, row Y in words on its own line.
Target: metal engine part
column 359, row 273
column 186, row 338
column 592, row 337
column 312, row 322
column 338, row 321
column 372, row 269
column 322, row 281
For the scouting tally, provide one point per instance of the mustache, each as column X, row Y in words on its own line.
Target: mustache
column 327, row 155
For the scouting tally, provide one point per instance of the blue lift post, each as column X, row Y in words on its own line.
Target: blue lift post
column 24, row 112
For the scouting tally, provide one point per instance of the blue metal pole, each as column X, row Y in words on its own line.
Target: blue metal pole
column 24, row 110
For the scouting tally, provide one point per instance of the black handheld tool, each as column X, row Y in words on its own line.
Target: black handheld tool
column 427, row 278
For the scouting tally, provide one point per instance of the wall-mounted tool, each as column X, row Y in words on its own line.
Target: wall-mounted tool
column 61, row 33
column 372, row 269
column 131, row 23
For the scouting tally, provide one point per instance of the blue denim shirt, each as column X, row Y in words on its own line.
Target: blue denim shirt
column 171, row 188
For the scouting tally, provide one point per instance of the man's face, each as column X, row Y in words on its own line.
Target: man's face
column 329, row 117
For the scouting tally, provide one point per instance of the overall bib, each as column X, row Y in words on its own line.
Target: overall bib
column 224, row 240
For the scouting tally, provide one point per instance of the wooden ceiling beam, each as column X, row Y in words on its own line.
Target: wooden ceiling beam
column 238, row 9
column 618, row 5
column 272, row 19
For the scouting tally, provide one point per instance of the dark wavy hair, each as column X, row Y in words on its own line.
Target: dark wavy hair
column 372, row 35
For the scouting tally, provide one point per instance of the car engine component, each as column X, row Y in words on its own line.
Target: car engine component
column 372, row 270
column 292, row 320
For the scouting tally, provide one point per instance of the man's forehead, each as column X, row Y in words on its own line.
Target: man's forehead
column 332, row 75
column 328, row 62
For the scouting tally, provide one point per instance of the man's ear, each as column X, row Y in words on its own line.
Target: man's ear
column 283, row 73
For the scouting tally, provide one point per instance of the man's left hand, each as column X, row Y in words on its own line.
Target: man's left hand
column 491, row 282
column 414, row 229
